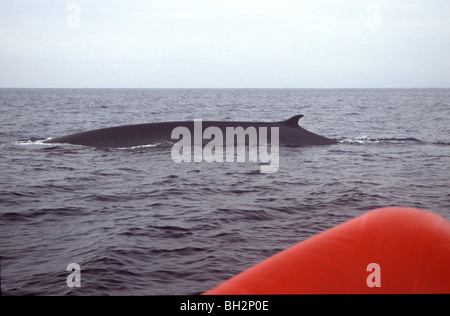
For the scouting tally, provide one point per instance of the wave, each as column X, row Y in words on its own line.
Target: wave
column 441, row 143
column 380, row 140
column 140, row 146
column 33, row 141
column 42, row 141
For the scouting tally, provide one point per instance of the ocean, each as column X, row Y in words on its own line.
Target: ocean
column 137, row 223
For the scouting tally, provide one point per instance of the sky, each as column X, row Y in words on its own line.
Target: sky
column 225, row 44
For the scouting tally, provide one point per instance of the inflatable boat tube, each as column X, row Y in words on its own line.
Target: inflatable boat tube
column 393, row 250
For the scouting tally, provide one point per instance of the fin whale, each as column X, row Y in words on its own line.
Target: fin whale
column 290, row 133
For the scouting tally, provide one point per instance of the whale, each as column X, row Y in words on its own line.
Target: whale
column 289, row 131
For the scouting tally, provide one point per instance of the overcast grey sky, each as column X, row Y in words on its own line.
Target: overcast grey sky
column 225, row 43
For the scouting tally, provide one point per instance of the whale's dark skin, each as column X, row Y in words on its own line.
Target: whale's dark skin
column 290, row 133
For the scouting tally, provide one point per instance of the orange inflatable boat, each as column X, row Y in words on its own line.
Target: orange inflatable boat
column 393, row 250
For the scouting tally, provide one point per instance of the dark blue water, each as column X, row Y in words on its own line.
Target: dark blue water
column 138, row 223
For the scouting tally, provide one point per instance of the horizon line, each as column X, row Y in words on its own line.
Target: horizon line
column 221, row 88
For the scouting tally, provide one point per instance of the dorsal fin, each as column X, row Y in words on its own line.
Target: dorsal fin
column 293, row 121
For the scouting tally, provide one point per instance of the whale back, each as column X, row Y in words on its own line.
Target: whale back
column 290, row 133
